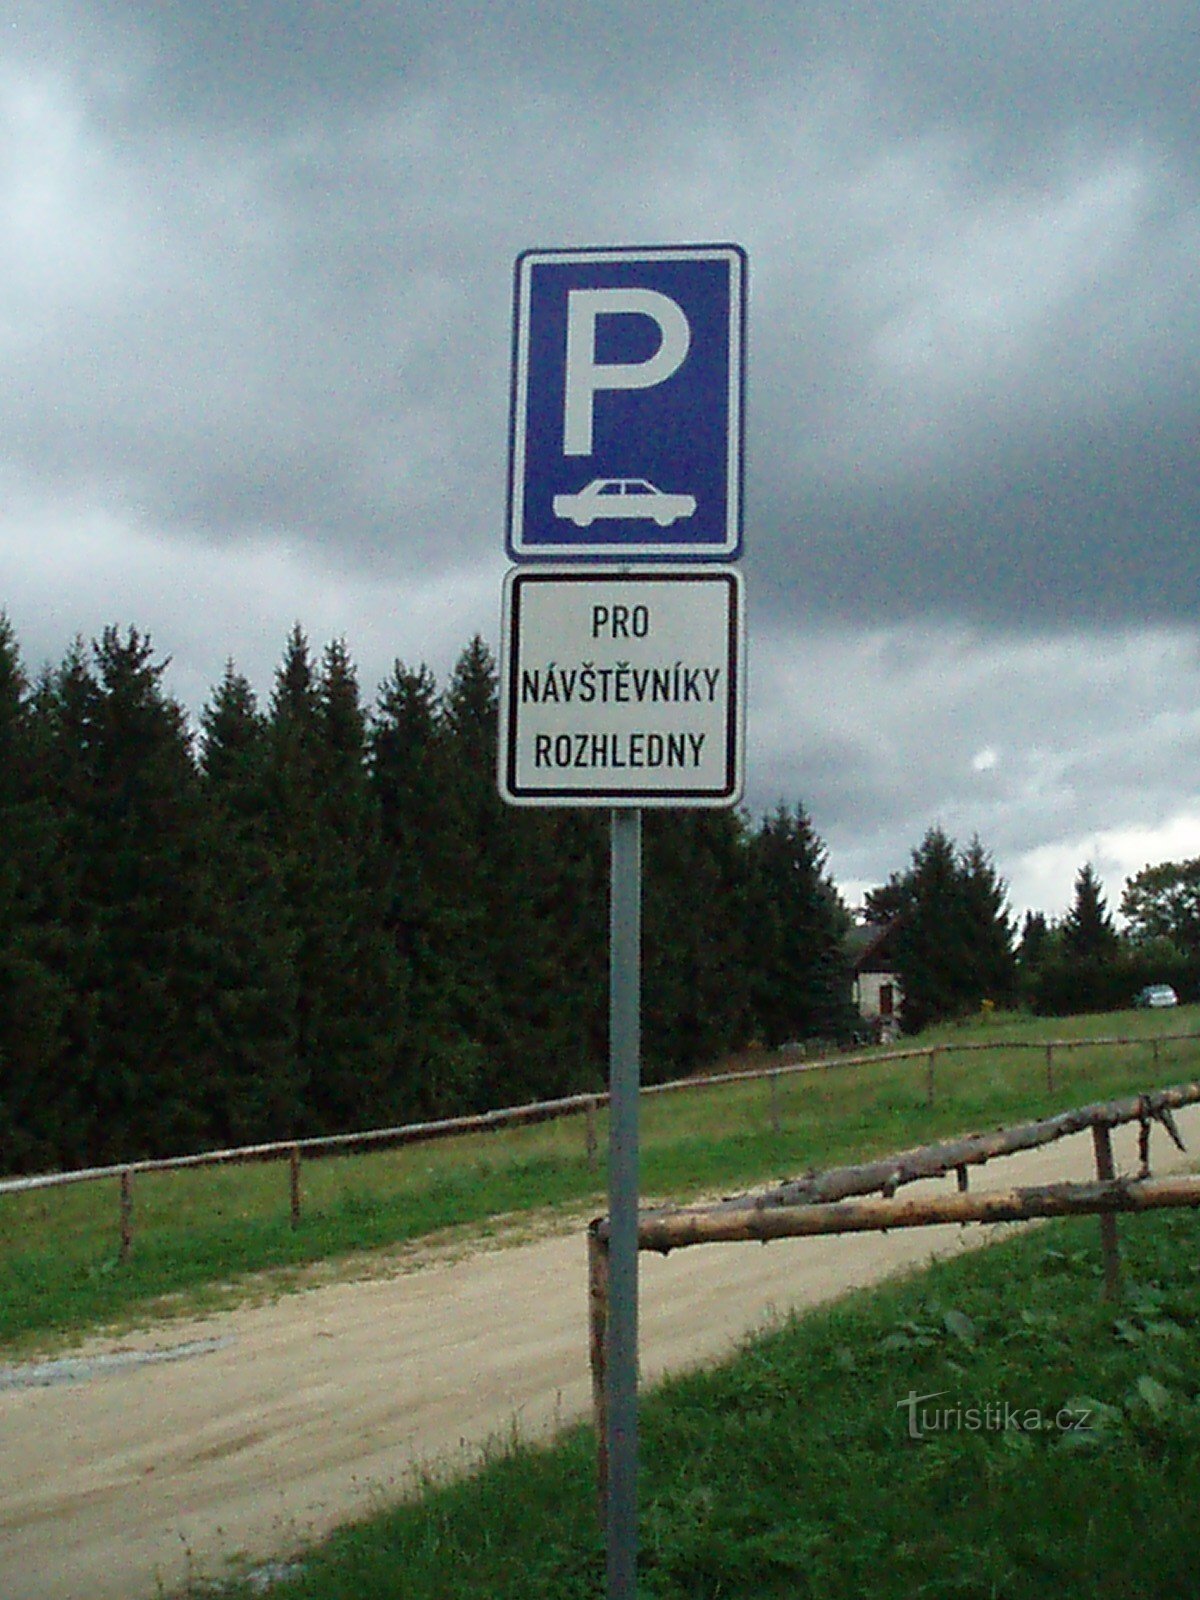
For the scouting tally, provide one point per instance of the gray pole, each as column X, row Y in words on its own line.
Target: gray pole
column 625, row 1029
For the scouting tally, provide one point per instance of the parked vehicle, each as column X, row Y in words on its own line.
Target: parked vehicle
column 1155, row 996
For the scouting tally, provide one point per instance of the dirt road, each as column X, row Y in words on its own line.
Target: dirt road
column 169, row 1454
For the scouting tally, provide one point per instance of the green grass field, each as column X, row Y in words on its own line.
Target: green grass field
column 203, row 1235
column 987, row 1430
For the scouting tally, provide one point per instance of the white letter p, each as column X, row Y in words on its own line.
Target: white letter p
column 586, row 376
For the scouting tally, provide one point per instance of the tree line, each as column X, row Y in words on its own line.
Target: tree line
column 1085, row 963
column 317, row 915
column 954, row 944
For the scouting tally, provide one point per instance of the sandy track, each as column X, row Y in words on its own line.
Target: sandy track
column 285, row 1419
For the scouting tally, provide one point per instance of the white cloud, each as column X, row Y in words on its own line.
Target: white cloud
column 884, row 732
column 69, row 572
column 1040, row 875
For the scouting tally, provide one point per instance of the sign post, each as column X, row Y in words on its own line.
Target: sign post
column 622, row 671
column 624, row 1050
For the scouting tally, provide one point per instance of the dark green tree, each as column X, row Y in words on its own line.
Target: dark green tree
column 485, row 906
column 365, row 1022
column 884, row 905
column 697, row 1000
column 65, row 705
column 517, row 1001
column 349, row 1000
column 931, row 940
column 1088, row 932
column 249, row 1019
column 991, row 968
column 1086, row 964
column 1035, row 933
column 410, row 774
column 1163, row 902
column 130, row 814
column 37, row 1107
column 954, row 936
column 796, row 934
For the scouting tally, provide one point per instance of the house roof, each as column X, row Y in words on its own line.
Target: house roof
column 875, row 951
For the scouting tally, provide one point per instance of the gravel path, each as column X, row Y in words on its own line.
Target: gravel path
column 136, row 1464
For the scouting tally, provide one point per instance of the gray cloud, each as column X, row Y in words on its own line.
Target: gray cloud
column 254, row 311
column 1027, row 738
column 997, row 66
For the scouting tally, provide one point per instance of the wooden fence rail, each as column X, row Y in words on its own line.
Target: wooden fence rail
column 935, row 1160
column 834, row 1202
column 586, row 1106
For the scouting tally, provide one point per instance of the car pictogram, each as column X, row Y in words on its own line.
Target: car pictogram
column 625, row 498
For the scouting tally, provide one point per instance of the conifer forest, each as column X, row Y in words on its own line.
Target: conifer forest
column 316, row 915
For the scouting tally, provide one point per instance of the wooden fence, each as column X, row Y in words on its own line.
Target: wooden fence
column 821, row 1203
column 584, row 1106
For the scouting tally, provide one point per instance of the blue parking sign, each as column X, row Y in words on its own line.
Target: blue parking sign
column 626, row 424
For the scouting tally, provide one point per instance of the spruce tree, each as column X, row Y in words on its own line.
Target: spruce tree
column 796, row 934
column 1088, row 932
column 37, row 1115
column 514, row 1002
column 477, row 922
column 1035, row 932
column 932, row 938
column 697, row 1001
column 954, row 937
column 1085, row 966
column 65, row 706
column 366, row 1008
column 409, row 774
column 249, row 1023
column 129, row 810
column 348, row 1000
column 991, row 969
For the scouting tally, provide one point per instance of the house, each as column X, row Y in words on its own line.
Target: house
column 878, row 996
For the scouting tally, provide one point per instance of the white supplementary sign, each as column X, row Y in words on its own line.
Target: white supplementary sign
column 622, row 687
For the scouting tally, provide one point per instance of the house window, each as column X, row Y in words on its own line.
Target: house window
column 885, row 1000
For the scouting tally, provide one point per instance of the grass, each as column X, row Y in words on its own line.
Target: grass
column 1057, row 1452
column 204, row 1235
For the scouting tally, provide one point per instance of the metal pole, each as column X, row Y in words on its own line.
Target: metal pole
column 625, row 1004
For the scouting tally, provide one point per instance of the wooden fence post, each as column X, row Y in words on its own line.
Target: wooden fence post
column 592, row 1142
column 1102, row 1141
column 773, row 1080
column 598, row 1354
column 1050, row 1068
column 126, row 1215
column 294, row 1176
column 929, row 1078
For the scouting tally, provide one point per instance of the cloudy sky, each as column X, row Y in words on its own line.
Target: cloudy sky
column 255, row 288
